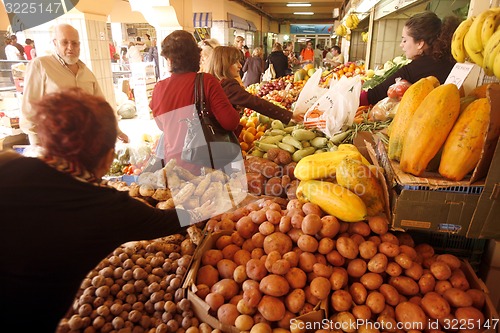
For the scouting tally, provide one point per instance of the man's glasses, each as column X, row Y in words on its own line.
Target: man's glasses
column 66, row 43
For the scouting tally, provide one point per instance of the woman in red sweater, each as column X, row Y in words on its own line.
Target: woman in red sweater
column 176, row 93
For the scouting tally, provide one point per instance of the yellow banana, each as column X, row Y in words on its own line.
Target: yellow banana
column 475, row 57
column 473, row 37
column 490, row 51
column 496, row 65
column 355, row 19
column 490, row 24
column 457, row 42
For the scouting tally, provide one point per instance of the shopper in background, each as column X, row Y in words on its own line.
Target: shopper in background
column 67, row 223
column 173, row 97
column 318, row 56
column 307, row 54
column 334, row 57
column 253, row 68
column 134, row 53
column 207, row 46
column 279, row 61
column 239, row 43
column 293, row 62
column 153, row 57
column 11, row 52
column 29, row 49
column 326, row 51
column 247, row 52
column 18, row 46
column 225, row 66
column 426, row 40
column 48, row 74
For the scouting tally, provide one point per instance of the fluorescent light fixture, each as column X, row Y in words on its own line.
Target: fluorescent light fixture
column 298, row 4
column 303, row 13
column 309, row 31
column 366, row 5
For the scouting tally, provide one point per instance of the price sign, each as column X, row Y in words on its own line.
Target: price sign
column 459, row 73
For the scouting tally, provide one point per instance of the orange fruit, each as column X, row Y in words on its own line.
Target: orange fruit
column 259, row 135
column 243, row 121
column 250, row 123
column 252, row 130
column 261, row 128
column 248, row 137
column 244, row 146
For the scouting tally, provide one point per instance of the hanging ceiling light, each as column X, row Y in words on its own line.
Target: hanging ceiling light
column 303, row 13
column 298, row 4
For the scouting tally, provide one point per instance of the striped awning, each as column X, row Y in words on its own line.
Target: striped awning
column 251, row 26
column 202, row 20
column 237, row 22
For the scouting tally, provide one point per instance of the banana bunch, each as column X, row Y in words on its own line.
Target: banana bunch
column 352, row 21
column 341, row 30
column 478, row 39
column 364, row 36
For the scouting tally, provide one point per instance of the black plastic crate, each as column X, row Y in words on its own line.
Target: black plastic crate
column 452, row 189
column 470, row 249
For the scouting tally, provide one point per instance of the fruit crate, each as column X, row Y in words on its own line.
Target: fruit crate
column 470, row 249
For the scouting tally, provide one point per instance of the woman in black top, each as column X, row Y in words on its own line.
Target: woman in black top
column 279, row 60
column 427, row 41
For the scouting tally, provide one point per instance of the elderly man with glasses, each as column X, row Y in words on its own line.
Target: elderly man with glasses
column 48, row 74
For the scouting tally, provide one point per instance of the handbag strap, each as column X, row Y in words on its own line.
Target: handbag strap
column 199, row 99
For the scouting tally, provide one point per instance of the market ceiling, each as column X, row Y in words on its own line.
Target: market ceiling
column 323, row 11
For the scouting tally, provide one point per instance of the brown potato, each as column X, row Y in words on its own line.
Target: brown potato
column 296, row 278
column 310, row 208
column 347, row 321
column 435, row 306
column 375, row 301
column 357, row 238
column 226, row 268
column 389, row 238
column 311, row 224
column 307, row 261
column 285, row 224
column 307, row 243
column 335, row 258
column 411, row 316
column 478, row 298
column 241, row 257
column 415, row 271
column 322, row 270
column 281, row 267
column 256, row 269
column 387, row 323
column 378, row 263
column 274, row 285
column 405, row 239
column 330, row 228
column 367, row 249
column 271, row 258
column 223, row 241
column 440, row 270
column 320, row 287
column 378, row 224
column 347, row 247
column 228, row 288
column 426, row 283
column 292, row 257
column 424, row 250
column 215, row 301
column 390, row 293
column 371, row 281
column 277, row 241
column 240, row 274
column 271, row 308
column 362, row 312
column 245, row 227
column 360, row 228
column 227, row 314
column 404, row 285
column 310, row 298
column 341, row 300
column 391, row 250
column 473, row 318
column 442, row 286
column 208, row 275
column 450, row 260
column 211, row 257
column 252, row 297
column 457, row 298
column 326, row 245
column 358, row 292
column 409, row 251
column 339, row 278
column 295, row 300
column 403, row 260
column 356, row 268
column 458, row 280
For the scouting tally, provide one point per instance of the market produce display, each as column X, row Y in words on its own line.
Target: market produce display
column 477, row 39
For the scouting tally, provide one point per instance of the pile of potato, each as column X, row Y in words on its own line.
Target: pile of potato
column 137, row 289
column 276, row 264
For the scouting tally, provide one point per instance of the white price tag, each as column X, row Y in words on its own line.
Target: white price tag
column 459, row 73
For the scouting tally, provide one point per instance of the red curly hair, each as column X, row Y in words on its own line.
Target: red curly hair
column 75, row 125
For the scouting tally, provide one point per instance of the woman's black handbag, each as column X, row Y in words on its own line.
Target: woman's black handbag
column 207, row 143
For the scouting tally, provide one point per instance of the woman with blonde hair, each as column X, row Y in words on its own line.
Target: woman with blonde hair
column 279, row 60
column 225, row 66
column 253, row 68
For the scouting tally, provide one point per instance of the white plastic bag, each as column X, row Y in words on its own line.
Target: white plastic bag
column 338, row 105
column 309, row 94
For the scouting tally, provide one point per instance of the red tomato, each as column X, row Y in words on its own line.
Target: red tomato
column 391, row 92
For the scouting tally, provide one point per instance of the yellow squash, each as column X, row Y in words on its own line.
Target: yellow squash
column 412, row 98
column 429, row 128
column 351, row 147
column 358, row 178
column 322, row 166
column 462, row 149
column 334, row 199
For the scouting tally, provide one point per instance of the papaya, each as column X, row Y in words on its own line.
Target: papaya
column 429, row 127
column 462, row 149
column 412, row 98
column 358, row 178
column 322, row 166
column 332, row 198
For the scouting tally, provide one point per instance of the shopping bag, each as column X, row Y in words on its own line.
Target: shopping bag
column 309, row 94
column 337, row 107
column 269, row 74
